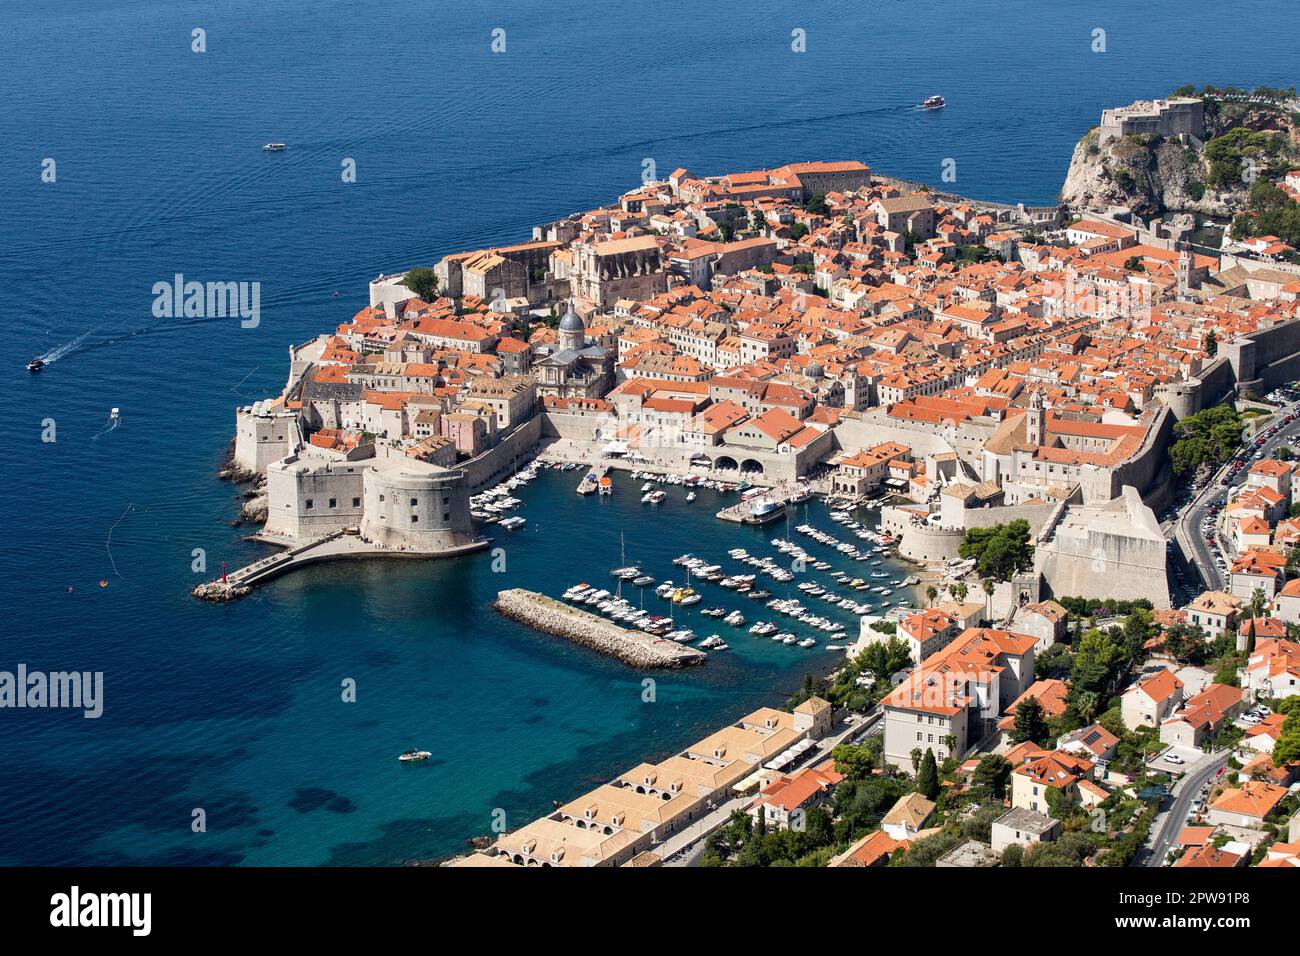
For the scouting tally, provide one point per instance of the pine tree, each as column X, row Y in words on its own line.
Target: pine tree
column 927, row 778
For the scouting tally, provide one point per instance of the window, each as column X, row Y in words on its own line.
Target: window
column 415, row 519
column 918, row 737
column 334, row 503
column 414, row 502
column 356, row 502
column 446, row 516
column 309, row 504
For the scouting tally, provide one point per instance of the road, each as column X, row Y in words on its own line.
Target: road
column 1171, row 822
column 1199, row 553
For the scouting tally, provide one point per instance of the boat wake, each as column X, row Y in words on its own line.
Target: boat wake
column 114, row 419
column 58, row 352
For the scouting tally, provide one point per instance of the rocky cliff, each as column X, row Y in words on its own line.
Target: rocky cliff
column 1148, row 174
column 1154, row 175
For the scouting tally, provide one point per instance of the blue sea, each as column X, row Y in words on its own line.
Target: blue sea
column 236, row 709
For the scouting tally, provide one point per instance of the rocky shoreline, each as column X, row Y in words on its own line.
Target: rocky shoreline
column 634, row 648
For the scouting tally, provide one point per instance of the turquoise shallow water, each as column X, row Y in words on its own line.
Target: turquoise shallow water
column 235, row 709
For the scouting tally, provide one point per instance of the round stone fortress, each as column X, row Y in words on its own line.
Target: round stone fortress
column 416, row 512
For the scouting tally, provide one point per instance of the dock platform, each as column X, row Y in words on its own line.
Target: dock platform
column 635, row 648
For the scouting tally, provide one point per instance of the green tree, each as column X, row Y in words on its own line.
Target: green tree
column 1099, row 664
column 1013, row 854
column 883, row 658
column 1186, row 643
column 992, row 774
column 999, row 551
column 930, row 594
column 1030, row 723
column 422, row 281
column 854, row 761
column 1208, row 437
column 927, row 777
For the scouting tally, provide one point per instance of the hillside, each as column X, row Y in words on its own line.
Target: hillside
column 1154, row 175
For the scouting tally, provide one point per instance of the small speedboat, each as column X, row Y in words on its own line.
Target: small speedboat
column 36, row 364
column 275, row 147
column 933, row 102
column 414, row 756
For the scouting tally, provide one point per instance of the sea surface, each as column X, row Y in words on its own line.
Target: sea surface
column 236, row 710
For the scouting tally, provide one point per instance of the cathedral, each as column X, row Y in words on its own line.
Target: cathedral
column 573, row 369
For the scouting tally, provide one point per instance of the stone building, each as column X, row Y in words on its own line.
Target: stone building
column 604, row 272
column 573, row 369
column 1176, row 116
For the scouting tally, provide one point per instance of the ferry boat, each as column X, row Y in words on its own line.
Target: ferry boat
column 933, row 102
column 414, row 756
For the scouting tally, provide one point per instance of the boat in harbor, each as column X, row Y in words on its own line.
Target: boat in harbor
column 414, row 756
column 933, row 103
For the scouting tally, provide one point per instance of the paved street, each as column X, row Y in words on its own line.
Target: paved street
column 1198, row 553
column 1169, row 823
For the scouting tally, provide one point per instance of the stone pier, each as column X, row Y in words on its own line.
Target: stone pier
column 635, row 648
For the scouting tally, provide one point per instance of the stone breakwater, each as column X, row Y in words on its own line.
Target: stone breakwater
column 631, row 647
column 220, row 591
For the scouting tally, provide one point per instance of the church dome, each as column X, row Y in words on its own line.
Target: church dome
column 572, row 322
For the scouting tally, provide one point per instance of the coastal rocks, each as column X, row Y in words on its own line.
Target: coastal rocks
column 220, row 591
column 234, row 471
column 631, row 647
column 1149, row 175
column 255, row 509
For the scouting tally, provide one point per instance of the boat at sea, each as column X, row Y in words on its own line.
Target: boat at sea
column 933, row 102
column 275, row 147
column 36, row 364
column 414, row 756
